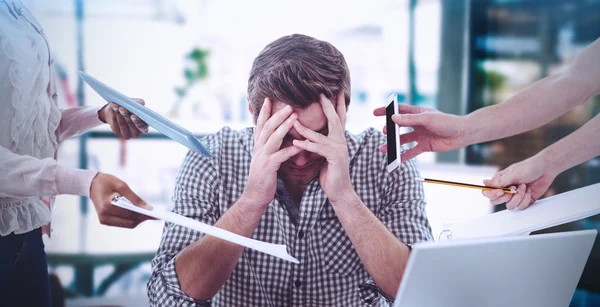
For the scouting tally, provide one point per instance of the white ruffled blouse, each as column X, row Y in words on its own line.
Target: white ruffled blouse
column 32, row 126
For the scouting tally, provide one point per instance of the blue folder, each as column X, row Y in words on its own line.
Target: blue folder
column 153, row 119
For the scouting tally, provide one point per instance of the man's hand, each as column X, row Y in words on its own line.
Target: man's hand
column 334, row 177
column 432, row 130
column 102, row 191
column 123, row 124
column 532, row 177
column 267, row 154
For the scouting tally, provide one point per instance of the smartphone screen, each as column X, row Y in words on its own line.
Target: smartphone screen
column 391, row 134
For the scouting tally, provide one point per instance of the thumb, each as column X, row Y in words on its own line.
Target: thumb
column 502, row 179
column 132, row 197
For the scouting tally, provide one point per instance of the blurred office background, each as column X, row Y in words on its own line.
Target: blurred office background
column 190, row 59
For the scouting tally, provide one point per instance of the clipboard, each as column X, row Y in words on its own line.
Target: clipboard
column 153, row 119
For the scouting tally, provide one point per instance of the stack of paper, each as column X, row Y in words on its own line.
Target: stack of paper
column 549, row 212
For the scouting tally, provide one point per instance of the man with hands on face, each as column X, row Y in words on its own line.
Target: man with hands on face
column 299, row 179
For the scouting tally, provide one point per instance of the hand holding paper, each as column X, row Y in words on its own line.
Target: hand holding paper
column 276, row 250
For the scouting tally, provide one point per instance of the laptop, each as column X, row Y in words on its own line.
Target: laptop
column 540, row 270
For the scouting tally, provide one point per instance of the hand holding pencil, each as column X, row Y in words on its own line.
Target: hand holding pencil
column 531, row 178
column 519, row 185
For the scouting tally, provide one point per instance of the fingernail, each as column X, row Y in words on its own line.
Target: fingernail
column 288, row 108
column 395, row 116
column 499, row 193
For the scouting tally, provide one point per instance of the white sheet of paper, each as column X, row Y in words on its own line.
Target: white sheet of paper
column 276, row 250
column 548, row 212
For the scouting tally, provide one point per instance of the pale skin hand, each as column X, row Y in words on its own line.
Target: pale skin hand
column 205, row 265
column 123, row 124
column 538, row 104
column 103, row 190
column 334, row 176
column 432, row 130
column 384, row 258
column 537, row 173
column 530, row 178
column 267, row 156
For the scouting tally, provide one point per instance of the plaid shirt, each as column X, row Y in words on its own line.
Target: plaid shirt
column 330, row 272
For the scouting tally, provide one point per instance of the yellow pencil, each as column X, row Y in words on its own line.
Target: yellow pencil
column 464, row 185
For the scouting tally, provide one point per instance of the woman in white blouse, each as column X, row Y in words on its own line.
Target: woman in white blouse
column 31, row 127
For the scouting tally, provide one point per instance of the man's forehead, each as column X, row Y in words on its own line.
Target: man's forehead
column 311, row 117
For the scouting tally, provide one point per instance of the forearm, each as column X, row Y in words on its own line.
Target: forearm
column 578, row 147
column 76, row 121
column 536, row 105
column 204, row 266
column 25, row 176
column 384, row 258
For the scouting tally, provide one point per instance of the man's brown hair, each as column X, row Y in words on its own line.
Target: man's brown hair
column 296, row 69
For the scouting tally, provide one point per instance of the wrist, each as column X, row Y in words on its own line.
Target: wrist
column 549, row 163
column 102, row 113
column 344, row 197
column 468, row 135
column 250, row 203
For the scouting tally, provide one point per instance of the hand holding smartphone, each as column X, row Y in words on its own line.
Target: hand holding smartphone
column 393, row 134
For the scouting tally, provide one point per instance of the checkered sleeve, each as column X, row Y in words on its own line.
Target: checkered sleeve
column 403, row 211
column 195, row 197
column 403, row 205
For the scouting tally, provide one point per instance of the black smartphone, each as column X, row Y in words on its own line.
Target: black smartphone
column 393, row 134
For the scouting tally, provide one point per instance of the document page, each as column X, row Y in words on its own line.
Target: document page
column 548, row 212
column 276, row 250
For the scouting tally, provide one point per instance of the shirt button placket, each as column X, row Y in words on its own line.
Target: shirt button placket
column 298, row 276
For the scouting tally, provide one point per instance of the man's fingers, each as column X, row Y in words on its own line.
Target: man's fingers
column 286, row 153
column 263, row 116
column 333, row 120
column 276, row 138
column 341, row 108
column 307, row 145
column 273, row 123
column 311, row 135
